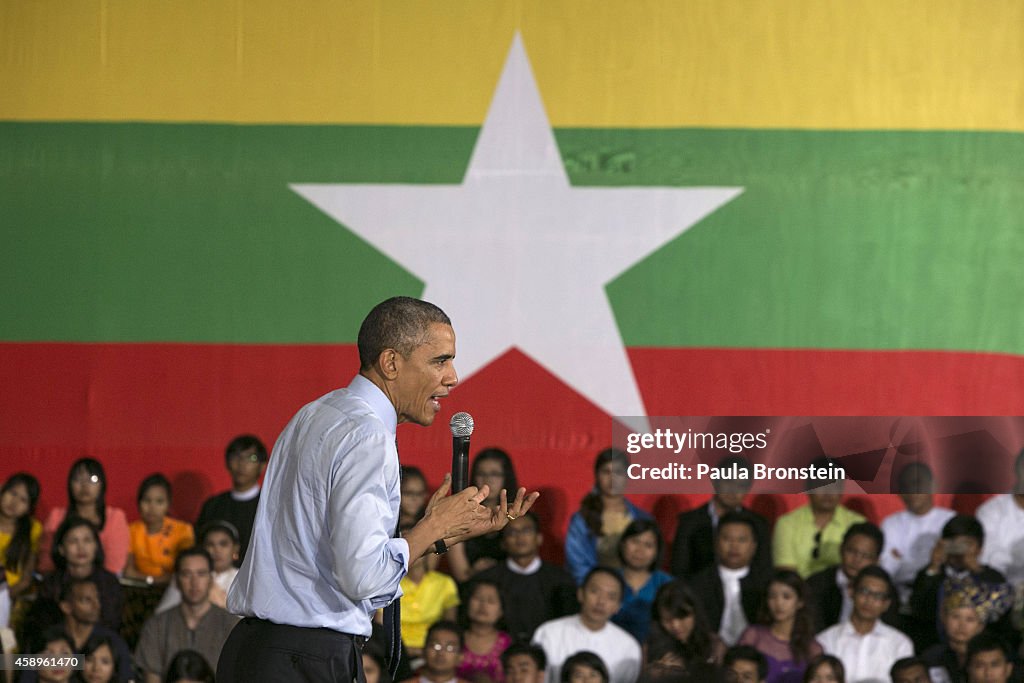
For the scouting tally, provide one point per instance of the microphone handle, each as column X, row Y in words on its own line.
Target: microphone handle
column 460, row 463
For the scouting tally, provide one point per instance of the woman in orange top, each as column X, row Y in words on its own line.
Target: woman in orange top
column 156, row 539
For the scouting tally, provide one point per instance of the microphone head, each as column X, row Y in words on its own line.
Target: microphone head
column 461, row 424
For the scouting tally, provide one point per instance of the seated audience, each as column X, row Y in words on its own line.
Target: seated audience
column 584, row 667
column 534, row 591
column 428, row 596
column 910, row 670
column 156, row 539
column 484, row 642
column 910, row 534
column 825, row 669
column 988, row 660
column 784, row 634
column 189, row 666
column 246, row 460
column 103, row 660
column 80, row 603
column 807, row 539
column 600, row 597
column 87, row 490
column 964, row 614
column 680, row 639
column 955, row 562
column 1002, row 517
column 19, row 535
column 640, row 553
column 732, row 590
column 442, row 654
column 693, row 547
column 77, row 554
column 831, row 602
column 220, row 539
column 594, row 531
column 414, row 496
column 194, row 624
column 492, row 467
column 744, row 664
column 867, row 647
column 524, row 663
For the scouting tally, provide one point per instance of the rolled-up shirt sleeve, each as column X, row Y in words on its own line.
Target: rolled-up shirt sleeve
column 368, row 563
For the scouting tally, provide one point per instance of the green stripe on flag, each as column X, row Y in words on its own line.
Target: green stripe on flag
column 188, row 232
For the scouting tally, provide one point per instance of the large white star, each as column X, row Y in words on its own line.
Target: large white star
column 515, row 255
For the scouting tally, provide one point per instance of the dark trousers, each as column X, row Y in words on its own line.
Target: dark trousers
column 259, row 650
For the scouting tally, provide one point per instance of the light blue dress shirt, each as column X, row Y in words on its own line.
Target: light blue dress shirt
column 322, row 552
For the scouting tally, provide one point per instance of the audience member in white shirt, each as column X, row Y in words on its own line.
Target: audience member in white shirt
column 911, row 534
column 1003, row 520
column 600, row 597
column 867, row 647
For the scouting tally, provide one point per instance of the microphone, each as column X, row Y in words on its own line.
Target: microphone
column 462, row 426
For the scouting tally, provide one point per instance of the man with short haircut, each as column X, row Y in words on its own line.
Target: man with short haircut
column 744, row 664
column 600, row 597
column 731, row 591
column 245, row 459
column 831, row 602
column 988, row 660
column 524, row 663
column 324, row 556
column 1002, row 517
column 694, row 549
column 910, row 670
column 807, row 539
column 910, row 534
column 442, row 654
column 194, row 624
column 80, row 604
column 533, row 590
column 867, row 647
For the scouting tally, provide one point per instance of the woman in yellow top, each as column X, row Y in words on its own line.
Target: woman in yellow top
column 19, row 531
column 156, row 539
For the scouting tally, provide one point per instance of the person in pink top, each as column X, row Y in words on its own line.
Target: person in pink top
column 87, row 489
column 485, row 642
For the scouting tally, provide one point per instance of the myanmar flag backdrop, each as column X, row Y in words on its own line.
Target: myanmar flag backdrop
column 165, row 286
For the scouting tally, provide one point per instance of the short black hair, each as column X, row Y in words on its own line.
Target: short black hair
column 398, row 323
column 875, row 572
column 608, row 571
column 149, row 482
column 906, row 663
column 914, row 478
column 242, row 443
column 68, row 588
column 531, row 650
column 868, row 530
column 38, row 640
column 964, row 525
column 986, row 642
column 194, row 551
column 451, row 627
column 530, row 515
column 737, row 517
column 189, row 665
column 746, row 653
column 584, row 658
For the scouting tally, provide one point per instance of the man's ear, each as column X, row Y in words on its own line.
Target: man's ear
column 65, row 607
column 540, row 539
column 388, row 363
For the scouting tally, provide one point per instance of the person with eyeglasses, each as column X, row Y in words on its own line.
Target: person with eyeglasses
column 867, row 646
column 442, row 654
column 807, row 539
column 245, row 459
column 831, row 602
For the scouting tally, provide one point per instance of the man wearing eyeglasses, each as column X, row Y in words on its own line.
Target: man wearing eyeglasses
column 442, row 654
column 867, row 647
column 831, row 602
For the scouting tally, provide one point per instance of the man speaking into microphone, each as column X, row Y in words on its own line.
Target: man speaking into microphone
column 323, row 556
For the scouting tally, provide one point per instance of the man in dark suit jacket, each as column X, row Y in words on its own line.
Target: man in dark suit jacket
column 729, row 611
column 693, row 547
column 829, row 588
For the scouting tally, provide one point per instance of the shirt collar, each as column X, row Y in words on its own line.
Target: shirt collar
column 841, row 579
column 849, row 630
column 379, row 403
column 248, row 494
column 725, row 573
column 531, row 568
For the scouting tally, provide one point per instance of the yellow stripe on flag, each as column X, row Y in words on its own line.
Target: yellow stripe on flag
column 847, row 64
